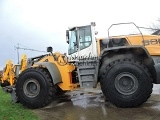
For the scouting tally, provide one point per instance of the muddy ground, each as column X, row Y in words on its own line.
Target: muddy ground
column 89, row 104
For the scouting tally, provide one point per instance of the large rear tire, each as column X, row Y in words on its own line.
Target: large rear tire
column 34, row 88
column 126, row 83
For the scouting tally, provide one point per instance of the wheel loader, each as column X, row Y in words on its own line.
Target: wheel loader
column 126, row 67
column 10, row 74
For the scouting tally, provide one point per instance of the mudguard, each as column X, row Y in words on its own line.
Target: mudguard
column 53, row 70
column 139, row 50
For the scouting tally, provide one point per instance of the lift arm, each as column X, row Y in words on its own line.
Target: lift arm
column 23, row 62
column 8, row 73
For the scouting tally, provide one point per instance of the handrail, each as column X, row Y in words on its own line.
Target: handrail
column 126, row 23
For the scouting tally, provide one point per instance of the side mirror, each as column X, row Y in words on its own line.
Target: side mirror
column 67, row 36
column 93, row 24
column 49, row 49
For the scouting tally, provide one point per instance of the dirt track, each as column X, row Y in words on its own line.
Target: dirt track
column 89, row 104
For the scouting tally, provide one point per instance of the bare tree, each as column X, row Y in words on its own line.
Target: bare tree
column 155, row 27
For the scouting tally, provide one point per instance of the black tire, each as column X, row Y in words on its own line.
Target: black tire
column 34, row 88
column 59, row 91
column 126, row 83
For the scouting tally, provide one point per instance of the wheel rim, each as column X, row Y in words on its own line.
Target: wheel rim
column 126, row 83
column 31, row 88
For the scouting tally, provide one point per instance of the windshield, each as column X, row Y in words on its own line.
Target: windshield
column 72, row 43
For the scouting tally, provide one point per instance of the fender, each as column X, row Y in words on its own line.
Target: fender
column 136, row 49
column 53, row 70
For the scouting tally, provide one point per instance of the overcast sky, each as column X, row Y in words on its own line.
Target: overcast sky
column 36, row 24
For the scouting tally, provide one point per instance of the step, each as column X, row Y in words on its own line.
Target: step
column 86, row 84
column 91, row 73
column 87, row 73
column 86, row 80
column 83, row 67
column 86, row 61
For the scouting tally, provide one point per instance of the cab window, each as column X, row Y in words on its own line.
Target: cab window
column 72, row 43
column 84, row 37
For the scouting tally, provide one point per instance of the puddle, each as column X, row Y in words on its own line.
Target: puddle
column 88, row 104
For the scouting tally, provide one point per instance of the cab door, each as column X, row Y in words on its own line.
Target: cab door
column 73, row 46
column 87, row 43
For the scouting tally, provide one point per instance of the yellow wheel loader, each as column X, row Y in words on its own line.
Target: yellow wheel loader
column 10, row 74
column 126, row 67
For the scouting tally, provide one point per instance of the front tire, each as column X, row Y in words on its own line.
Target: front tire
column 34, row 88
column 126, row 83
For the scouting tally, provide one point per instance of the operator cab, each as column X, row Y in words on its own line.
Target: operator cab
column 81, row 40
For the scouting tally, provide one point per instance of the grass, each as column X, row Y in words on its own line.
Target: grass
column 14, row 111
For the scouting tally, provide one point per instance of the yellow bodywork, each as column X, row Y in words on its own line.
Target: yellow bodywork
column 65, row 69
column 151, row 42
column 23, row 63
column 9, row 72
